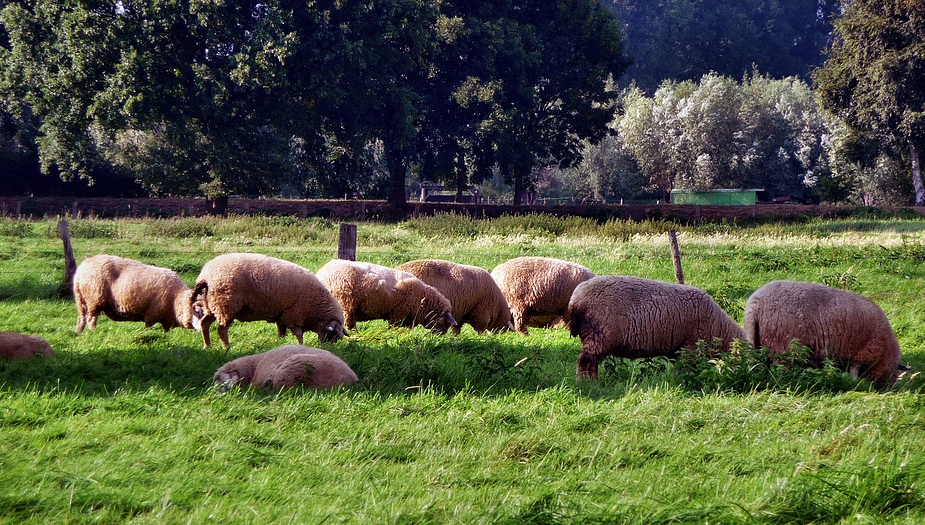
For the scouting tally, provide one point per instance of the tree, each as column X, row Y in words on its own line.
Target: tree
column 192, row 91
column 685, row 39
column 557, row 87
column 719, row 133
column 872, row 78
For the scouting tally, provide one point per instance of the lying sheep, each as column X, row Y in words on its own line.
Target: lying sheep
column 15, row 346
column 538, row 287
column 473, row 294
column 128, row 290
column 634, row 317
column 254, row 287
column 835, row 324
column 287, row 367
column 369, row 291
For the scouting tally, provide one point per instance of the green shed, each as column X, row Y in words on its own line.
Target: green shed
column 714, row 197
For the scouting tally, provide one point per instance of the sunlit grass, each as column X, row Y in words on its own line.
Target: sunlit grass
column 123, row 425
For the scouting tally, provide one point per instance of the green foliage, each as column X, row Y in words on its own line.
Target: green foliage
column 745, row 369
column 14, row 228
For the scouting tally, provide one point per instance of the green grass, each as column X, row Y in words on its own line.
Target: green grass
column 123, row 426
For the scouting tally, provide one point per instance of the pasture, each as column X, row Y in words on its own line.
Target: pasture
column 124, row 426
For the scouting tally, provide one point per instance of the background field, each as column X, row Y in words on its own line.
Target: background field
column 123, row 426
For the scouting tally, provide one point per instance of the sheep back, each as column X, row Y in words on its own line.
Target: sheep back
column 538, row 287
column 128, row 290
column 369, row 291
column 254, row 287
column 836, row 324
column 287, row 367
column 474, row 296
column 15, row 346
column 634, row 317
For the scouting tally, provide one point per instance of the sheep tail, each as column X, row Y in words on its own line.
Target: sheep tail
column 577, row 318
column 201, row 289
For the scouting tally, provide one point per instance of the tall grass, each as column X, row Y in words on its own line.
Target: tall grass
column 125, row 426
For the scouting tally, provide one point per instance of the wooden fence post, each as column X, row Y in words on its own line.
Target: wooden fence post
column 70, row 265
column 676, row 256
column 347, row 246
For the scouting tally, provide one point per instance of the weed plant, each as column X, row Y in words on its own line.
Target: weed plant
column 124, row 425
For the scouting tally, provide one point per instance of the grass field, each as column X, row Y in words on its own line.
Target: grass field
column 123, row 426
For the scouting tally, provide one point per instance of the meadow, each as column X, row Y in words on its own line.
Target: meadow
column 125, row 426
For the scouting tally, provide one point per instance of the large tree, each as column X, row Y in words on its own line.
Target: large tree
column 192, row 91
column 556, row 85
column 874, row 77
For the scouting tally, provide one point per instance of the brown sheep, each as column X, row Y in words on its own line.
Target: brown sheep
column 835, row 324
column 538, row 287
column 254, row 287
column 634, row 317
column 474, row 295
column 287, row 367
column 15, row 346
column 128, row 290
column 369, row 291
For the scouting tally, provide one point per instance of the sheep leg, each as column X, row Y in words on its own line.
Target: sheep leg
column 587, row 365
column 281, row 329
column 204, row 324
column 520, row 321
column 297, row 332
column 223, row 335
column 91, row 321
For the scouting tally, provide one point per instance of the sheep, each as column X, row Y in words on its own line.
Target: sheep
column 634, row 317
column 128, row 290
column 254, row 287
column 473, row 294
column 369, row 291
column 835, row 324
column 15, row 346
column 538, row 287
column 286, row 367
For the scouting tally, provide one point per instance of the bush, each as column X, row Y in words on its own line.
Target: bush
column 744, row 368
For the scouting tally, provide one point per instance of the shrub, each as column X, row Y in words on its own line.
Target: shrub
column 744, row 368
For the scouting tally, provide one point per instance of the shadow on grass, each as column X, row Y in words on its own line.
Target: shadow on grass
column 388, row 362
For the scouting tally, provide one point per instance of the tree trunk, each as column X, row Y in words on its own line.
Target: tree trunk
column 397, row 172
column 518, row 187
column 916, row 173
column 218, row 206
column 461, row 178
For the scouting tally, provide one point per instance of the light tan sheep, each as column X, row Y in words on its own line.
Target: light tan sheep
column 254, row 287
column 128, row 290
column 474, row 295
column 538, row 287
column 369, row 291
column 634, row 317
column 287, row 367
column 836, row 324
column 15, row 346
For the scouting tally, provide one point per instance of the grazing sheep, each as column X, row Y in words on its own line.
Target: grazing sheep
column 128, row 290
column 287, row 367
column 538, row 287
column 254, row 287
column 474, row 295
column 15, row 346
column 835, row 324
column 370, row 291
column 634, row 317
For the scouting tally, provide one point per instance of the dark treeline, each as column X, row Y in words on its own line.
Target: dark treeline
column 368, row 99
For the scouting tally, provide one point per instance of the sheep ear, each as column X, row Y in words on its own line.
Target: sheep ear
column 450, row 320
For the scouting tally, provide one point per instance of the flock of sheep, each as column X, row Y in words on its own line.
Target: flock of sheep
column 612, row 315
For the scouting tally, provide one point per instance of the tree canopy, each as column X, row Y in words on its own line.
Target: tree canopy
column 873, row 77
column 219, row 98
